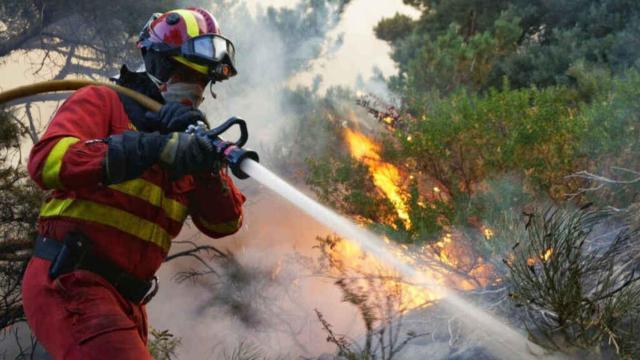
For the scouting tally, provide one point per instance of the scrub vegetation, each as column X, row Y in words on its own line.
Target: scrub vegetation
column 522, row 118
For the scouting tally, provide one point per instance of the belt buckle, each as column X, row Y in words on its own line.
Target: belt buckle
column 151, row 292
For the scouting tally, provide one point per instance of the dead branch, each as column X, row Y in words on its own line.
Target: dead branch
column 13, row 245
column 196, row 249
column 601, row 181
column 33, row 133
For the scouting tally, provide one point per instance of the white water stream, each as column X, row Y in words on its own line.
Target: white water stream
column 503, row 341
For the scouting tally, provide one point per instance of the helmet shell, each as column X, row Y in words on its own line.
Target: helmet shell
column 174, row 28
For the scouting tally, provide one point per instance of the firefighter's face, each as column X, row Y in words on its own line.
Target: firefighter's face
column 188, row 75
column 185, row 86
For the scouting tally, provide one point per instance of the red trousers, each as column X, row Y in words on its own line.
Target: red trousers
column 80, row 315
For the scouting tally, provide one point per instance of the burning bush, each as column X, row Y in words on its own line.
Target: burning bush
column 575, row 274
column 381, row 297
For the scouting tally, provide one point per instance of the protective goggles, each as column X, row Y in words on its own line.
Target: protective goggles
column 216, row 52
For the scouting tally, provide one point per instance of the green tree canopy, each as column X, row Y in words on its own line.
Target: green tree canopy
column 528, row 42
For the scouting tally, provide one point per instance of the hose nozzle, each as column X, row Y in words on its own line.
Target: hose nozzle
column 233, row 152
column 235, row 156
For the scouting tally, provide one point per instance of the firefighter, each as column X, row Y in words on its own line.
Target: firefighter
column 122, row 181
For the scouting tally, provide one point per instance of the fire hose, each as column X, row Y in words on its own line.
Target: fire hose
column 234, row 154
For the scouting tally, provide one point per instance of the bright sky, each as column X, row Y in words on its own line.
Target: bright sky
column 361, row 51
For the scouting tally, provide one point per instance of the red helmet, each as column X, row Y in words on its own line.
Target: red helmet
column 191, row 37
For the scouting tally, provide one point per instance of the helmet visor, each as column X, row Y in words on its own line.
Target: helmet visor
column 214, row 51
column 210, row 50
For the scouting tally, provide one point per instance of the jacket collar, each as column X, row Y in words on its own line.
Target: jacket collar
column 140, row 82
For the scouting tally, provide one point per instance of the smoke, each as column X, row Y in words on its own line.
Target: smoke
column 362, row 60
column 268, row 299
column 266, row 296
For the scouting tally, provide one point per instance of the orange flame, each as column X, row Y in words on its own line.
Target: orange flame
column 388, row 120
column 445, row 255
column 348, row 257
column 543, row 257
column 386, row 177
column 459, row 256
column 488, row 233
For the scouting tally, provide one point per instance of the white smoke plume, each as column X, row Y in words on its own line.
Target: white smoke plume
column 275, row 311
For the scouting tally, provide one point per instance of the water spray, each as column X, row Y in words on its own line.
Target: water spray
column 502, row 340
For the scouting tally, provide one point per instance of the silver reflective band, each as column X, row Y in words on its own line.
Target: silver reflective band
column 219, row 43
column 211, row 48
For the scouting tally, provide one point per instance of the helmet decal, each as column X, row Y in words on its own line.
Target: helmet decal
column 190, row 20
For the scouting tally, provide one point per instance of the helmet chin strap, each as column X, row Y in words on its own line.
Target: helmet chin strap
column 213, row 94
column 155, row 80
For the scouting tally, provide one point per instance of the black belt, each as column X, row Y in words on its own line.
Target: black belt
column 69, row 255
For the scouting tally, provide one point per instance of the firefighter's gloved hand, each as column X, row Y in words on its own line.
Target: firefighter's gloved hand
column 131, row 153
column 174, row 116
column 188, row 154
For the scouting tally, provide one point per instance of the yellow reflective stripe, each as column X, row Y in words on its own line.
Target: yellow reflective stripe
column 168, row 153
column 222, row 228
column 53, row 164
column 154, row 195
column 197, row 67
column 190, row 19
column 110, row 216
column 193, row 30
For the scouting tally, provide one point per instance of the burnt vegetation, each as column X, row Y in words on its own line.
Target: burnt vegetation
column 19, row 201
column 576, row 278
column 381, row 303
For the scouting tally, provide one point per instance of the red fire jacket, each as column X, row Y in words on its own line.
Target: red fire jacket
column 131, row 223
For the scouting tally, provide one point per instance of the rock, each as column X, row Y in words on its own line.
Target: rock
column 326, row 357
column 330, row 357
column 472, row 353
column 433, row 351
